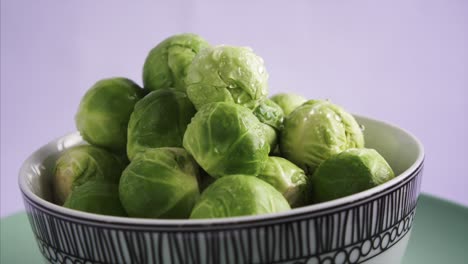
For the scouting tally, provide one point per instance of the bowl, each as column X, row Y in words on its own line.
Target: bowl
column 372, row 226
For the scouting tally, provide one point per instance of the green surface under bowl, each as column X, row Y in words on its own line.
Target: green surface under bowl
column 440, row 235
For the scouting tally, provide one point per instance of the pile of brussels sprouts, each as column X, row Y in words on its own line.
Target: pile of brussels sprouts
column 201, row 139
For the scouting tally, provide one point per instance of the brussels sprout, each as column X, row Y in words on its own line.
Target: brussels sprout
column 227, row 139
column 81, row 164
column 268, row 112
column 349, row 172
column 167, row 63
column 287, row 178
column 160, row 183
column 104, row 111
column 272, row 116
column 239, row 195
column 317, row 130
column 96, row 197
column 271, row 137
column 159, row 120
column 288, row 101
column 227, row 74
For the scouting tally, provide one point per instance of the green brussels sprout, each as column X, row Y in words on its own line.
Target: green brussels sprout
column 288, row 101
column 167, row 63
column 272, row 116
column 227, row 139
column 96, row 197
column 159, row 120
column 271, row 137
column 104, row 111
column 268, row 112
column 349, row 172
column 81, row 164
column 160, row 183
column 316, row 131
column 239, row 195
column 287, row 178
column 227, row 74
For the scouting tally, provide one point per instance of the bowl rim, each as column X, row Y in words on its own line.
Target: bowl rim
column 316, row 209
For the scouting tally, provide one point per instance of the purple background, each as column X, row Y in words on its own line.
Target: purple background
column 405, row 62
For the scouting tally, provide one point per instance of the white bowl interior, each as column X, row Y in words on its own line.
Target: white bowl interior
column 398, row 147
column 36, row 173
column 402, row 151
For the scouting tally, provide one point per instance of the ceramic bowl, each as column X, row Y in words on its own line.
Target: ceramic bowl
column 372, row 226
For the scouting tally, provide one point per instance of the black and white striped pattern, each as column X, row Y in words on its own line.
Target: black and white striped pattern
column 350, row 233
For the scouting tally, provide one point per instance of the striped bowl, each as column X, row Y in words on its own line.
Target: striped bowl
column 372, row 226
